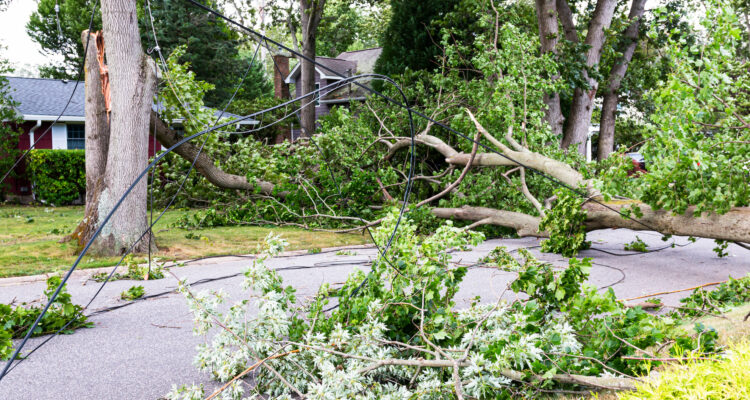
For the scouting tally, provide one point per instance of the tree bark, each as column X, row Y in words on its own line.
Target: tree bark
column 566, row 18
column 611, row 96
column 168, row 138
column 133, row 84
column 546, row 13
column 96, row 143
column 310, row 13
column 579, row 119
column 733, row 225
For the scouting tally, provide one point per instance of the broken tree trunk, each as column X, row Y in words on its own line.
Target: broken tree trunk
column 120, row 152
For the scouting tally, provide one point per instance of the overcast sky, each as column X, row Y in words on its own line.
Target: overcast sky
column 19, row 48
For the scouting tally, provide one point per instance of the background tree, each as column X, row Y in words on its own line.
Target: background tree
column 212, row 49
column 74, row 18
column 9, row 132
column 346, row 26
column 311, row 12
column 410, row 41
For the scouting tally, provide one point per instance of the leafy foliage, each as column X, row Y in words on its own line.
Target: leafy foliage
column 698, row 155
column 637, row 245
column 404, row 309
column 564, row 223
column 8, row 118
column 410, row 41
column 74, row 18
column 135, row 272
column 58, row 176
column 133, row 293
column 16, row 321
column 729, row 294
column 211, row 48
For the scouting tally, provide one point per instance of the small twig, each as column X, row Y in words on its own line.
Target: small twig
column 674, row 291
column 669, row 359
column 246, row 371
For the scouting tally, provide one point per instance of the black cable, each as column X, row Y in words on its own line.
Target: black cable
column 75, row 87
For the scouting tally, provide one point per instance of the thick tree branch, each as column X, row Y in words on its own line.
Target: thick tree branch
column 168, row 138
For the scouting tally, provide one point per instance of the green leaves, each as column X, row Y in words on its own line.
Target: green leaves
column 58, row 176
column 16, row 321
column 565, row 225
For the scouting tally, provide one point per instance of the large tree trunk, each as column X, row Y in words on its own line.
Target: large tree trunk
column 611, row 96
column 579, row 119
column 732, row 226
column 133, row 84
column 310, row 13
column 546, row 13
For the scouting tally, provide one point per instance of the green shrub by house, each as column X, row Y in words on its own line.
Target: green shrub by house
column 58, row 176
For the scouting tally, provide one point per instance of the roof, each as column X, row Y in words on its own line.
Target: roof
column 347, row 63
column 44, row 99
column 365, row 59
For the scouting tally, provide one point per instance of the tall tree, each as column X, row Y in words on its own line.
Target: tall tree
column 410, row 41
column 579, row 118
column 73, row 18
column 548, row 34
column 311, row 11
column 212, row 48
column 611, row 95
column 124, row 145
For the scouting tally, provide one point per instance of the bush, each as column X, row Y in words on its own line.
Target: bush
column 725, row 379
column 58, row 176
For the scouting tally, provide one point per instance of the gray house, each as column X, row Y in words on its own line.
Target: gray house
column 348, row 63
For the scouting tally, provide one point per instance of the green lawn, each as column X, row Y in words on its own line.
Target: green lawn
column 29, row 240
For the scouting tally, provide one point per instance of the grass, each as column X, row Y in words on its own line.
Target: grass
column 30, row 235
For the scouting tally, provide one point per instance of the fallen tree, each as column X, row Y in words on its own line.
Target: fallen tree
column 733, row 225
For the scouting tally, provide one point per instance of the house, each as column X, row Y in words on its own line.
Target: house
column 40, row 102
column 346, row 64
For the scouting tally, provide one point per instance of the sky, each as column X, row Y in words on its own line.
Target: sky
column 22, row 52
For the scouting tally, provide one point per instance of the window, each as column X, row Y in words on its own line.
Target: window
column 76, row 137
column 317, row 95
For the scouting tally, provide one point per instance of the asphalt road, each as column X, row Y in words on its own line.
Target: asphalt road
column 140, row 351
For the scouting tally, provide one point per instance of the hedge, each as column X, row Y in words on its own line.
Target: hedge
column 58, row 176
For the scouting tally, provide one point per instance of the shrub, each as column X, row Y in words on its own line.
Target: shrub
column 725, row 379
column 58, row 176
